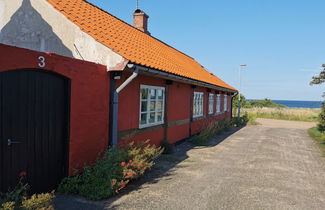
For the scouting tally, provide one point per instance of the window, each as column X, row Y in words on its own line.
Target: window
column 225, row 103
column 218, row 104
column 198, row 104
column 152, row 104
column 211, row 103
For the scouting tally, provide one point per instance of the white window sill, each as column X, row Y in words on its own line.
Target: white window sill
column 197, row 116
column 150, row 125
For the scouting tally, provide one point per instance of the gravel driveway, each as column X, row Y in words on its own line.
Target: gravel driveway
column 274, row 165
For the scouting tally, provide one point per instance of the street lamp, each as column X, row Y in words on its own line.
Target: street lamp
column 240, row 69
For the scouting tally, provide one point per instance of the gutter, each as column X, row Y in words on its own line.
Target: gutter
column 114, row 130
column 183, row 79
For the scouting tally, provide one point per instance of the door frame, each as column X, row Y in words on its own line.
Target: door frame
column 66, row 147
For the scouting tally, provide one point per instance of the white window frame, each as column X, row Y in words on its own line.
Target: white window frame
column 198, row 104
column 211, row 103
column 148, row 100
column 225, row 103
column 218, row 104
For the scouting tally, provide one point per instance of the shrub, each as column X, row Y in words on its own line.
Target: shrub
column 112, row 172
column 39, row 201
column 242, row 121
column 15, row 195
column 11, row 205
column 321, row 119
column 319, row 137
column 18, row 199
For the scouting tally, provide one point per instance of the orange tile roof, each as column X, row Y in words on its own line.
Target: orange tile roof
column 131, row 43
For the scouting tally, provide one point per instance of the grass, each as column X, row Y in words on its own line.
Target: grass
column 319, row 138
column 295, row 114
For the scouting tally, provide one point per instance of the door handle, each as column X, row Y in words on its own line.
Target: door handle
column 10, row 142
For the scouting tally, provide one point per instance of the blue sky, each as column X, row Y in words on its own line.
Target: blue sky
column 281, row 41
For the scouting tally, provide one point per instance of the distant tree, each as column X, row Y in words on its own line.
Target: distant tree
column 316, row 80
column 264, row 103
column 319, row 78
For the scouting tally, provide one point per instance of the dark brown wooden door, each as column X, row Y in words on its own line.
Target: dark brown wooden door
column 34, row 116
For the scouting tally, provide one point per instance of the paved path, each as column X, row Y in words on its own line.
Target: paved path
column 274, row 165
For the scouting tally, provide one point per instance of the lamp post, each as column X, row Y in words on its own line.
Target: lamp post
column 240, row 69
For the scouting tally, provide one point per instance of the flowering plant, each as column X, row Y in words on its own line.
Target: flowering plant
column 112, row 172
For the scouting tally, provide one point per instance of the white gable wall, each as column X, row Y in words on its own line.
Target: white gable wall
column 37, row 25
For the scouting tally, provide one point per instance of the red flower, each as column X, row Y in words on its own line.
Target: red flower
column 123, row 164
column 122, row 186
column 23, row 174
column 133, row 165
column 130, row 161
column 130, row 174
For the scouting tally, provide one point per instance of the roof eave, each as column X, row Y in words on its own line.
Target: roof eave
column 170, row 76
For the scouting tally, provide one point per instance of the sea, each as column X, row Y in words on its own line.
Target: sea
column 298, row 104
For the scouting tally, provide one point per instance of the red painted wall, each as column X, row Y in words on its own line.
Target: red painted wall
column 89, row 99
column 179, row 109
column 89, row 103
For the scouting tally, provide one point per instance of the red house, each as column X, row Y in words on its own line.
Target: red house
column 87, row 80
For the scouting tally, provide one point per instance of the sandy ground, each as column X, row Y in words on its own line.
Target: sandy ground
column 274, row 165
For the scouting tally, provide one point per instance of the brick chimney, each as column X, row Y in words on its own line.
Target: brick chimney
column 141, row 21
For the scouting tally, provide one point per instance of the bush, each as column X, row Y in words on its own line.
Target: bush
column 39, row 201
column 18, row 199
column 263, row 103
column 321, row 119
column 242, row 121
column 112, row 172
column 319, row 137
column 15, row 195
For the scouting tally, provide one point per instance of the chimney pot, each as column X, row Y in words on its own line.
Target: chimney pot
column 141, row 21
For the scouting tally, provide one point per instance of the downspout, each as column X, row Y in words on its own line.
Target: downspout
column 115, row 105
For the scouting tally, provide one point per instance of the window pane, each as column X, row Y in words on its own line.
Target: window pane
column 159, row 116
column 144, row 93
column 152, row 93
column 152, row 117
column 144, row 106
column 152, row 105
column 160, row 94
column 143, row 119
column 159, row 106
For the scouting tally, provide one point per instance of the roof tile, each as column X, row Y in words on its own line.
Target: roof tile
column 131, row 43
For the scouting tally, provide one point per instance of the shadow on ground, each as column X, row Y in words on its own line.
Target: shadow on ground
column 164, row 168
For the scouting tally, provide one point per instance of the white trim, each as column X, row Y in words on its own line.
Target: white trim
column 198, row 111
column 211, row 103
column 225, row 102
column 148, row 100
column 218, row 104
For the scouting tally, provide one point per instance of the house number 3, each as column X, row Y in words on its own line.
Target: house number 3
column 41, row 62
